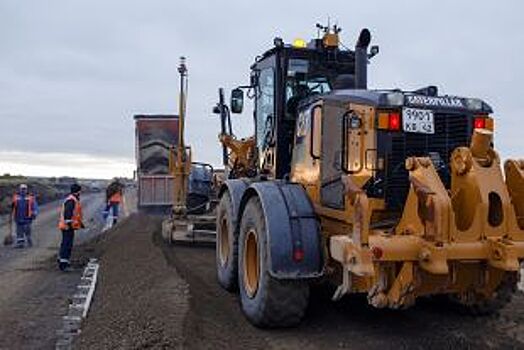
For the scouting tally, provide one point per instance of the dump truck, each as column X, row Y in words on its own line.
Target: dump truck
column 154, row 135
column 156, row 139
column 389, row 193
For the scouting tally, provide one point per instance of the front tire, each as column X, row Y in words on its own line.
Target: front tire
column 266, row 301
column 226, row 245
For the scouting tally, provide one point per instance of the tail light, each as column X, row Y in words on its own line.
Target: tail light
column 483, row 121
column 479, row 123
column 298, row 254
column 389, row 121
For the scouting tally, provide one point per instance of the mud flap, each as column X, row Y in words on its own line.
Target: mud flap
column 293, row 232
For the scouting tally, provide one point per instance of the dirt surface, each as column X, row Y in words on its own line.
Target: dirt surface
column 152, row 295
column 216, row 321
column 140, row 302
column 33, row 293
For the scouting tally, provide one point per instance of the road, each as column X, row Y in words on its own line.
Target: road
column 33, row 294
column 168, row 297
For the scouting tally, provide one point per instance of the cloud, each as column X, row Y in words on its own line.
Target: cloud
column 73, row 73
column 60, row 164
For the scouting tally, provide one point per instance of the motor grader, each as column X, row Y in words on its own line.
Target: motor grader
column 191, row 187
column 389, row 193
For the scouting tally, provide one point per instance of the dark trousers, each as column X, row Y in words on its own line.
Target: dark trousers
column 23, row 234
column 66, row 246
column 112, row 209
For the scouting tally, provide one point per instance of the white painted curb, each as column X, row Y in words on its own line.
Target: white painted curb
column 79, row 306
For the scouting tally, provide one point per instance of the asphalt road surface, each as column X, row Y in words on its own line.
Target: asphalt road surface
column 33, row 294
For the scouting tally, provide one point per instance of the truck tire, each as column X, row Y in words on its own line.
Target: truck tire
column 226, row 245
column 481, row 306
column 267, row 302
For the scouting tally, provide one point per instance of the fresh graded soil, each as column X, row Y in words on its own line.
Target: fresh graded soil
column 153, row 295
column 140, row 302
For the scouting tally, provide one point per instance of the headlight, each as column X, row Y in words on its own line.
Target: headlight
column 395, row 98
column 474, row 103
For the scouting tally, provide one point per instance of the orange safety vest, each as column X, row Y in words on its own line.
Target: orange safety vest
column 116, row 198
column 76, row 219
column 29, row 207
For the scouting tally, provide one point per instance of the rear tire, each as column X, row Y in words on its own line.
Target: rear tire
column 226, row 245
column 266, row 301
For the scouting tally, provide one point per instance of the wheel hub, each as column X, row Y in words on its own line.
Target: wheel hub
column 251, row 264
column 223, row 242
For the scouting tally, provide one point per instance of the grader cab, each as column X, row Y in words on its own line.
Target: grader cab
column 395, row 194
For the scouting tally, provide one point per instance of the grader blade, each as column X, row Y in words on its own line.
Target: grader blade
column 191, row 230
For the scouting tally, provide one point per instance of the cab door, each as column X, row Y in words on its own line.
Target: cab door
column 332, row 190
column 265, row 114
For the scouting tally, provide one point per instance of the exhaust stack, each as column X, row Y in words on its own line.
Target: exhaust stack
column 361, row 59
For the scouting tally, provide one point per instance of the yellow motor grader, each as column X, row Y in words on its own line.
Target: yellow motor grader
column 394, row 194
column 191, row 186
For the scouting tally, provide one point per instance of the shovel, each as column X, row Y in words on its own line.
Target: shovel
column 8, row 239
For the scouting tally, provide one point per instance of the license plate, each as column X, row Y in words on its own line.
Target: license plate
column 418, row 120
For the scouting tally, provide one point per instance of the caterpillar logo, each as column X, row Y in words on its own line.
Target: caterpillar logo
column 429, row 101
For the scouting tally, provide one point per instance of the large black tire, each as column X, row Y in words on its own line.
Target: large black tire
column 478, row 305
column 276, row 302
column 226, row 245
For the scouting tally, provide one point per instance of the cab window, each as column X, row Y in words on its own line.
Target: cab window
column 265, row 106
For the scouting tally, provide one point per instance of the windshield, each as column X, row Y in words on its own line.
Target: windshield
column 302, row 81
column 302, row 86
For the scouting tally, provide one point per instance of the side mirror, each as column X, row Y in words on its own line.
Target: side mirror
column 373, row 51
column 237, row 101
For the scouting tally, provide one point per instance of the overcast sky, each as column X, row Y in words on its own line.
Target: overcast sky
column 73, row 73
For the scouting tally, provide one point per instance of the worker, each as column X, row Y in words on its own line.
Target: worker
column 24, row 210
column 70, row 221
column 114, row 198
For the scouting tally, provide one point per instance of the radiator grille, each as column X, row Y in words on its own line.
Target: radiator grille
column 451, row 131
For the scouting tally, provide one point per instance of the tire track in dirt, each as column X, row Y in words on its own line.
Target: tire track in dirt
column 216, row 321
column 210, row 323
